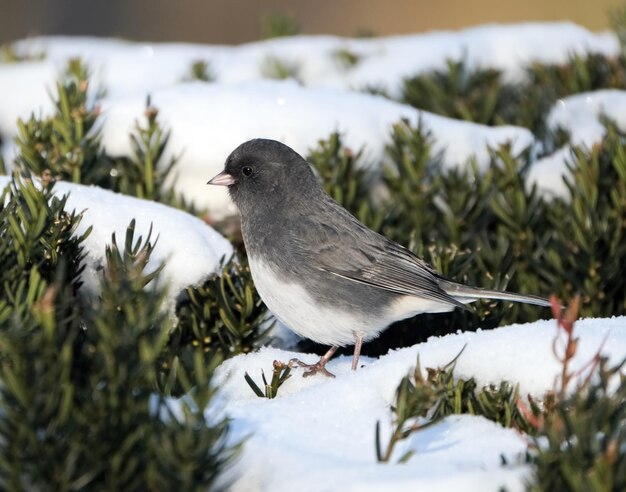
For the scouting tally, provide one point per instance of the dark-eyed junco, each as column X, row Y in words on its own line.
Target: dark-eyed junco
column 317, row 268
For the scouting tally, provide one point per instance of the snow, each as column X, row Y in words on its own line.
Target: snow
column 384, row 61
column 547, row 173
column 318, row 434
column 191, row 249
column 29, row 84
column 209, row 120
column 581, row 116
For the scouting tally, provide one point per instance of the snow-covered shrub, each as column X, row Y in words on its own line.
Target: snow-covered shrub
column 578, row 437
column 200, row 70
column 581, row 445
column 422, row 401
column 8, row 54
column 576, row 430
column 276, row 68
column 80, row 406
column 586, row 250
column 67, row 144
column 459, row 92
column 483, row 95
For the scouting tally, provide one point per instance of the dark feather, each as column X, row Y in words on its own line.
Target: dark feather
column 351, row 251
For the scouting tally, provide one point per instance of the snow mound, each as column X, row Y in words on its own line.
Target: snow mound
column 125, row 68
column 29, row 84
column 580, row 115
column 508, row 48
column 190, row 248
column 209, row 120
column 318, row 434
column 382, row 61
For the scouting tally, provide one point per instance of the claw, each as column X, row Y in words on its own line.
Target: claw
column 312, row 369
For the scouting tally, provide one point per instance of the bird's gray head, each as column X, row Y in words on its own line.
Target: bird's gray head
column 263, row 173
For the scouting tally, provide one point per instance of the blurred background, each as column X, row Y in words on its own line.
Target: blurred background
column 226, row 21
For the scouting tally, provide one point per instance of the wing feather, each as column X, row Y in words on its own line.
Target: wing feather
column 348, row 249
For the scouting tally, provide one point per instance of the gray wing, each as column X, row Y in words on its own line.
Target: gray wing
column 342, row 246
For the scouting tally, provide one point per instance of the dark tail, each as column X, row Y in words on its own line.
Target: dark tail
column 465, row 293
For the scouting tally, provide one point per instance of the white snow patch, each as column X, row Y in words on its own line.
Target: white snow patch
column 580, row 115
column 318, row 434
column 25, row 89
column 548, row 173
column 384, row 61
column 209, row 120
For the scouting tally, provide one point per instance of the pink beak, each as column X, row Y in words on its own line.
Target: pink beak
column 222, row 179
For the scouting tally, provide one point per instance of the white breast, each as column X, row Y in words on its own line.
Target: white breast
column 290, row 303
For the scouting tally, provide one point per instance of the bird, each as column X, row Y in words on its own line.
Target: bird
column 317, row 268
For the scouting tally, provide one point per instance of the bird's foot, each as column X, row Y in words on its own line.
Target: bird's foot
column 312, row 369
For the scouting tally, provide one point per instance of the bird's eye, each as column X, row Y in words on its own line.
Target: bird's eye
column 246, row 170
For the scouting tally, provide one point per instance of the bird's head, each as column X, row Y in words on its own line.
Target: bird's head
column 263, row 173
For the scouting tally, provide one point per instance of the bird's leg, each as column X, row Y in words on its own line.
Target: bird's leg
column 320, row 366
column 358, row 342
